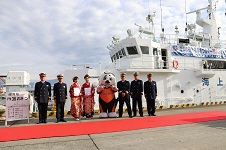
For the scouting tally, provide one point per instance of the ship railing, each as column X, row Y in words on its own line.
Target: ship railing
column 167, row 38
column 88, row 66
column 173, row 39
column 158, row 62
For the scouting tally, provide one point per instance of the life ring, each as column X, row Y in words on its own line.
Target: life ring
column 175, row 64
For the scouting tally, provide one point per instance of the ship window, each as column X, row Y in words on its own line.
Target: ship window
column 117, row 55
column 155, row 51
column 112, row 58
column 132, row 50
column 120, row 54
column 144, row 49
column 123, row 52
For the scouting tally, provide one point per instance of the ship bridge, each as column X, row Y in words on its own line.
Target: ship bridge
column 145, row 55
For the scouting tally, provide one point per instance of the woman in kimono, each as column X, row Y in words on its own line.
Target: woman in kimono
column 76, row 101
column 88, row 98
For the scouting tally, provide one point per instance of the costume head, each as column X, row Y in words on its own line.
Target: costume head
column 106, row 91
column 107, row 79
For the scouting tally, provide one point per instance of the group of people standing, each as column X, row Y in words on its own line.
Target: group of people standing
column 136, row 90
column 82, row 97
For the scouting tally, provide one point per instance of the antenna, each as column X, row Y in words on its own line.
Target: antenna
column 225, row 8
column 186, row 12
column 161, row 15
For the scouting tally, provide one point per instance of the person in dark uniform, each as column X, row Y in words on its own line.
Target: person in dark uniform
column 60, row 97
column 123, row 95
column 150, row 93
column 42, row 94
column 136, row 91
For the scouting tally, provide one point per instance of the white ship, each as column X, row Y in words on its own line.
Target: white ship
column 188, row 68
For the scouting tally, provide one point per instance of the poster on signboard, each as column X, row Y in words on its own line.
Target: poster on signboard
column 17, row 106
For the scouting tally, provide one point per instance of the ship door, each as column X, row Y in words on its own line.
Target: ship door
column 164, row 58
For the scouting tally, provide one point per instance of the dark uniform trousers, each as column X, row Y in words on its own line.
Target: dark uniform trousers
column 124, row 87
column 137, row 100
column 42, row 94
column 136, row 90
column 42, row 111
column 150, row 91
column 121, row 103
column 60, row 110
column 60, row 95
column 150, row 105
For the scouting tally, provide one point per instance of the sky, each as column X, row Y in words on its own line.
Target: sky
column 50, row 36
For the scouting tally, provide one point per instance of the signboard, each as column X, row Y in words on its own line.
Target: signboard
column 189, row 51
column 17, row 106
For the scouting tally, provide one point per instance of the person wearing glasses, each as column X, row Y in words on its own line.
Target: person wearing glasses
column 123, row 95
column 150, row 93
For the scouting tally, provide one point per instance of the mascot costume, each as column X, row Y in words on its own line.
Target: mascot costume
column 106, row 91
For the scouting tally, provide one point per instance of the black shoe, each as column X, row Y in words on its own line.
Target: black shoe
column 134, row 115
column 153, row 114
column 44, row 121
column 39, row 122
column 149, row 114
column 131, row 116
column 57, row 121
column 141, row 115
column 63, row 120
column 119, row 116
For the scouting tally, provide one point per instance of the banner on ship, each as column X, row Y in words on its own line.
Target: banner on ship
column 17, row 106
column 189, row 51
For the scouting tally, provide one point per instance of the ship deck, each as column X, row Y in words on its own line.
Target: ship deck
column 202, row 135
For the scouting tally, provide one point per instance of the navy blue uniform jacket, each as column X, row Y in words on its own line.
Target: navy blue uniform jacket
column 136, row 88
column 150, row 89
column 60, row 92
column 42, row 92
column 123, row 87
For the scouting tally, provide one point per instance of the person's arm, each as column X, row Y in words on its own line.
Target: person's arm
column 65, row 92
column 36, row 92
column 92, row 90
column 49, row 91
column 145, row 89
column 141, row 87
column 119, row 89
column 128, row 88
column 54, row 93
column 156, row 88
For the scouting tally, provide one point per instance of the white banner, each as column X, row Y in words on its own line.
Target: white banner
column 190, row 51
column 17, row 106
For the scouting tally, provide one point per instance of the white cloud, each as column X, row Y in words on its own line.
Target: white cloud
column 51, row 35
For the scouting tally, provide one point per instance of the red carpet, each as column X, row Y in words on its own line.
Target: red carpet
column 105, row 126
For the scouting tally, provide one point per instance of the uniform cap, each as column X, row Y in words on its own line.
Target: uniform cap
column 149, row 75
column 60, row 76
column 136, row 73
column 42, row 74
column 123, row 74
